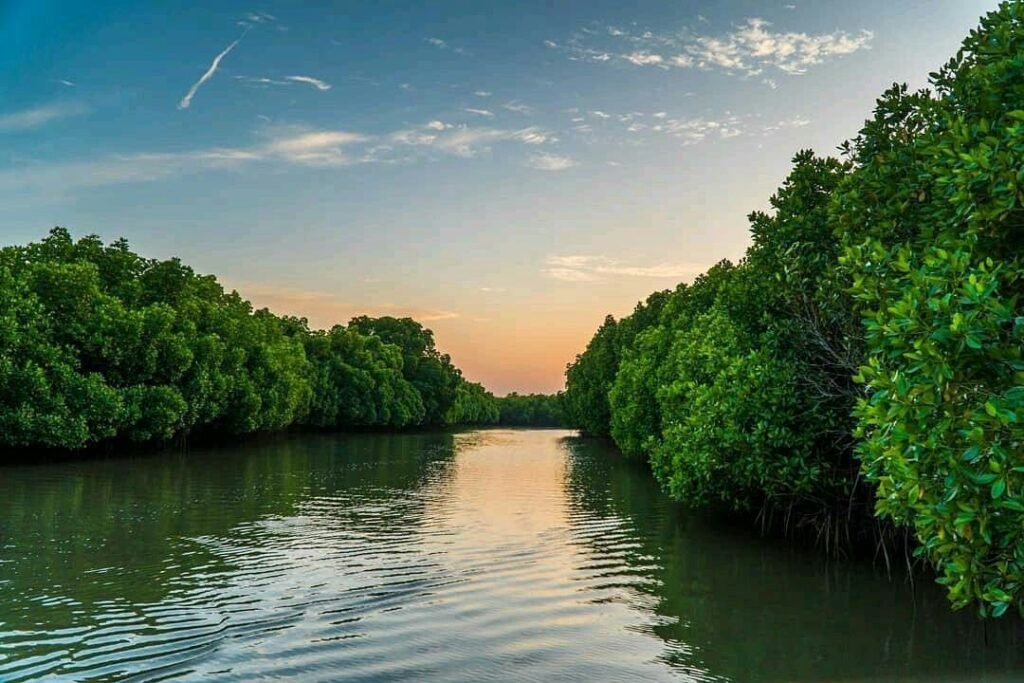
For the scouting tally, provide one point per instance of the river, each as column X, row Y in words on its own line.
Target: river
column 497, row 555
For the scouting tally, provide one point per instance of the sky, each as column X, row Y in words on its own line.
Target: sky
column 508, row 173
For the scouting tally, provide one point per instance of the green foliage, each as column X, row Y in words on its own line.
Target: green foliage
column 531, row 410
column 588, row 380
column 98, row 343
column 429, row 371
column 358, row 381
column 874, row 327
column 473, row 405
column 934, row 224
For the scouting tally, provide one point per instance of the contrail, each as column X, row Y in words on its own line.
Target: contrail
column 315, row 82
column 187, row 99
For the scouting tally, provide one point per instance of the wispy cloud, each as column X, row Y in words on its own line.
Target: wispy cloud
column 39, row 116
column 467, row 141
column 262, row 81
column 257, row 18
column 479, row 112
column 589, row 268
column 748, row 49
column 312, row 148
column 483, row 93
column 324, row 309
column 518, row 107
column 186, row 101
column 535, row 136
column 66, row 82
column 444, row 45
column 297, row 146
column 688, row 130
column 309, row 80
column 644, row 58
column 550, row 162
column 293, row 146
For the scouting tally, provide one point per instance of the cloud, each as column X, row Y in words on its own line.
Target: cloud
column 588, row 268
column 691, row 131
column 483, row 93
column 644, row 59
column 688, row 130
column 186, row 101
column 534, row 136
column 748, row 49
column 323, row 309
column 518, row 107
column 444, row 45
column 315, row 82
column 570, row 275
column 286, row 81
column 39, row 116
column 254, row 80
column 297, row 146
column 258, row 18
column 550, row 162
column 493, row 290
column 64, row 81
column 313, row 148
column 467, row 141
column 479, row 112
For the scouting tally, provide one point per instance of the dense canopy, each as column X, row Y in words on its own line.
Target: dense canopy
column 872, row 333
column 98, row 343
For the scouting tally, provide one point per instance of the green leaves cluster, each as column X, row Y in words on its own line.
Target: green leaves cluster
column 874, row 327
column 934, row 233
column 98, row 343
column 710, row 382
column 474, row 405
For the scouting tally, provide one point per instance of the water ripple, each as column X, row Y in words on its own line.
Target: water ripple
column 484, row 556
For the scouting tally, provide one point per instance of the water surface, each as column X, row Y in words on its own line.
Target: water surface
column 479, row 556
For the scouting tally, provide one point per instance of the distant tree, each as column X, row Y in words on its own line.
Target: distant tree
column 531, row 410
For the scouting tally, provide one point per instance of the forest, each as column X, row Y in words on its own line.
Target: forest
column 98, row 344
column 858, row 375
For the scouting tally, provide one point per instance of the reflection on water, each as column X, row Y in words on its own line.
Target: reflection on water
column 479, row 556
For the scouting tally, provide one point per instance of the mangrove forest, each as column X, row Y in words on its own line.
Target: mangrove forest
column 859, row 374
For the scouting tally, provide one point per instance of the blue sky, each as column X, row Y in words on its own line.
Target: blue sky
column 506, row 172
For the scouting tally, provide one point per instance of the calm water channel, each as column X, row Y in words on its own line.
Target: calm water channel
column 479, row 556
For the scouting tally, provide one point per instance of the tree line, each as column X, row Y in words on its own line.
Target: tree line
column 99, row 344
column 860, row 370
